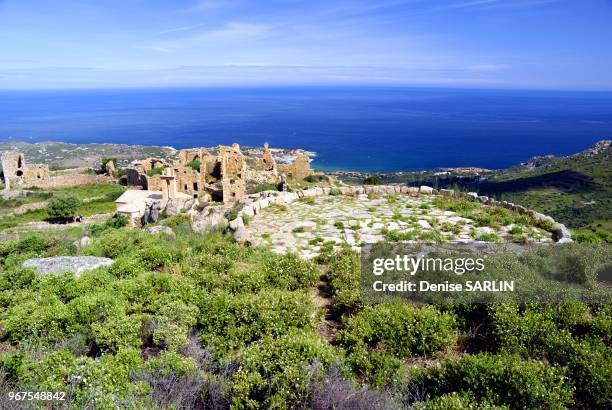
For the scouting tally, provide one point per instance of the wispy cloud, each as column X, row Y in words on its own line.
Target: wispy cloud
column 181, row 29
column 237, row 31
column 229, row 33
column 490, row 4
column 204, row 5
column 469, row 4
column 487, row 67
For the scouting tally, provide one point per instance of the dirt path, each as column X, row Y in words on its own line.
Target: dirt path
column 323, row 299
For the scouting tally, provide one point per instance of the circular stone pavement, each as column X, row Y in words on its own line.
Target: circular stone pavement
column 303, row 226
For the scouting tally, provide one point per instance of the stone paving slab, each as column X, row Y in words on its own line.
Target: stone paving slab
column 303, row 227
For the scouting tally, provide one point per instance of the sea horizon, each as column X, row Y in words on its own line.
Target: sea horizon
column 364, row 128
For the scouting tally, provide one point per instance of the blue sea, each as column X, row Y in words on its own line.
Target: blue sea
column 350, row 128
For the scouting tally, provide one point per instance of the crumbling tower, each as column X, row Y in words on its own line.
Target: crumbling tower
column 267, row 161
column 233, row 169
column 15, row 171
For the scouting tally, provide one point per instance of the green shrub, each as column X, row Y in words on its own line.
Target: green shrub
column 377, row 369
column 231, row 321
column 516, row 230
column 155, row 171
column 487, row 237
column 372, row 180
column 461, row 206
column 299, row 229
column 545, row 332
column 309, row 200
column 195, row 165
column 277, row 372
column 118, row 332
column 334, row 191
column 63, row 207
column 499, row 380
column 344, row 278
column 399, row 329
column 311, row 178
column 117, row 221
column 290, row 272
column 588, row 236
column 339, row 224
column 265, row 187
column 450, row 227
column 396, row 236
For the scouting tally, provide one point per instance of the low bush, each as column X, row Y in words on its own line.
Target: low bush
column 344, row 276
column 195, row 165
column 155, row 171
column 231, row 321
column 372, row 180
column 63, row 208
column 277, row 373
column 308, row 200
column 265, row 187
column 290, row 272
column 499, row 380
column 334, row 191
column 399, row 329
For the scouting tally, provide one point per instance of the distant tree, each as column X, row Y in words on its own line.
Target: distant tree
column 372, row 180
column 63, row 208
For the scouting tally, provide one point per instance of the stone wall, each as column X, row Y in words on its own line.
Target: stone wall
column 298, row 169
column 16, row 172
column 70, row 180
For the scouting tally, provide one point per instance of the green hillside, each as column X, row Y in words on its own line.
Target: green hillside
column 575, row 190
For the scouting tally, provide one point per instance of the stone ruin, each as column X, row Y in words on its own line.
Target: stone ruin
column 220, row 177
column 298, row 169
column 199, row 176
column 16, row 171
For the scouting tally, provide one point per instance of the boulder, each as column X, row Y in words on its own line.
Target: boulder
column 172, row 208
column 60, row 264
column 188, row 204
column 248, row 211
column 156, row 230
column 447, row 192
column 472, row 195
column 85, row 241
column 413, row 191
column 236, row 223
column 211, row 218
column 151, row 212
column 426, row 189
column 240, row 235
column 562, row 234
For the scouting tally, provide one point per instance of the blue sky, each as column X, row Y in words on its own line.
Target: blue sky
column 548, row 44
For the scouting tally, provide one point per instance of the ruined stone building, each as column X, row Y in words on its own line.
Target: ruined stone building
column 298, row 169
column 15, row 171
column 267, row 162
column 220, row 176
column 197, row 173
column 138, row 174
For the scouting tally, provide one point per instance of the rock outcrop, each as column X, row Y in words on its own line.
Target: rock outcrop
column 60, row 264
